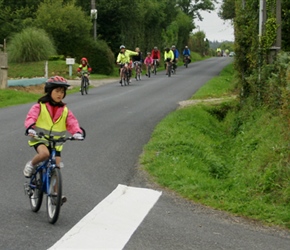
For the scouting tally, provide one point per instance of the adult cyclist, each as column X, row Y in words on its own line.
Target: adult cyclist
column 176, row 55
column 168, row 57
column 124, row 60
column 155, row 54
column 186, row 53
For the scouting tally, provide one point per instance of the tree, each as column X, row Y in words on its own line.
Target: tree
column 185, row 25
column 67, row 24
column 227, row 10
column 193, row 8
column 198, row 43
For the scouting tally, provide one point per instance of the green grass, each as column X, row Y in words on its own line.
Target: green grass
column 218, row 86
column 231, row 160
column 36, row 69
column 10, row 97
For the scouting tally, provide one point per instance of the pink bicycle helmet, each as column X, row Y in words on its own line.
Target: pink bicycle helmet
column 55, row 82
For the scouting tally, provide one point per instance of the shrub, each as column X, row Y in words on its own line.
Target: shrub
column 30, row 45
column 99, row 55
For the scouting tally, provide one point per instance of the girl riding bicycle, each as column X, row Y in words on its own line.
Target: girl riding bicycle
column 85, row 67
column 148, row 62
column 50, row 116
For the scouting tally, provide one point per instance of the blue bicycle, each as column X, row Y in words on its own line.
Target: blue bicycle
column 47, row 180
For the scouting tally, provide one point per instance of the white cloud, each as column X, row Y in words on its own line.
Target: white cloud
column 215, row 29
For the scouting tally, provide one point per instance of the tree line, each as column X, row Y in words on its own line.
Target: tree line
column 130, row 22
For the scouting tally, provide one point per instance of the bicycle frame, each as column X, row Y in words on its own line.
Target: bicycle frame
column 46, row 167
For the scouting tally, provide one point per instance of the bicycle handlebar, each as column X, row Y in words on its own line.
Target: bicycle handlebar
column 50, row 137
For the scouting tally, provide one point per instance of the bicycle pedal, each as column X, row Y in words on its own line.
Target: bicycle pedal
column 63, row 200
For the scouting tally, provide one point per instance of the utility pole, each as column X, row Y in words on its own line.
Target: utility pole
column 278, row 21
column 94, row 15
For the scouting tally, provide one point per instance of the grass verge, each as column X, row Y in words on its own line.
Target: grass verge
column 231, row 159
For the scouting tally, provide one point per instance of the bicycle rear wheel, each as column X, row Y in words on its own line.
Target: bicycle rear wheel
column 124, row 80
column 53, row 202
column 169, row 69
column 36, row 194
column 128, row 80
column 139, row 73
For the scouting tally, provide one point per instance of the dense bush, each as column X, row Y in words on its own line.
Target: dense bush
column 99, row 55
column 30, row 45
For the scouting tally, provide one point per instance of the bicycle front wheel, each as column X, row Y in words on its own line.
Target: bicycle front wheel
column 82, row 86
column 53, row 202
column 36, row 194
column 86, row 87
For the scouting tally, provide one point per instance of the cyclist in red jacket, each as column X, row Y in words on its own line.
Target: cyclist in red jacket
column 155, row 54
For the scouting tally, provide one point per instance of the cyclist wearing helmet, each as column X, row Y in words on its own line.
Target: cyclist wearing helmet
column 155, row 54
column 186, row 53
column 168, row 57
column 148, row 62
column 176, row 55
column 85, row 67
column 123, row 59
column 50, row 116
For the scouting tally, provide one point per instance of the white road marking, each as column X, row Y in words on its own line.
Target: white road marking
column 112, row 222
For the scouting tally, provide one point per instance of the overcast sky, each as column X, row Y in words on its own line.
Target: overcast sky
column 215, row 29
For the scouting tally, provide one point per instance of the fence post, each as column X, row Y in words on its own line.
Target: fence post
column 3, row 67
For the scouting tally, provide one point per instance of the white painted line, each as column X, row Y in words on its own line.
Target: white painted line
column 112, row 222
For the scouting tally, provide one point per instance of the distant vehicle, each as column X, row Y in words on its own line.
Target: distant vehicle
column 232, row 54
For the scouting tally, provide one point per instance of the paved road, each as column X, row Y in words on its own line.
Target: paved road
column 119, row 121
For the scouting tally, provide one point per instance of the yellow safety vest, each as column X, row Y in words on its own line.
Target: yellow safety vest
column 84, row 68
column 45, row 125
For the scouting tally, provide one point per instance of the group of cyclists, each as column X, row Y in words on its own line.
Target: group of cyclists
column 133, row 60
column 130, row 61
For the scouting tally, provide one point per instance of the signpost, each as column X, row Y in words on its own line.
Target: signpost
column 70, row 62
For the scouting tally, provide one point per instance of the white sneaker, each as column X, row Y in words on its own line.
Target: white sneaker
column 28, row 170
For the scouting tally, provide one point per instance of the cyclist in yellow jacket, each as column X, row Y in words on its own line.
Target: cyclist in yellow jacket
column 168, row 57
column 50, row 115
column 123, row 59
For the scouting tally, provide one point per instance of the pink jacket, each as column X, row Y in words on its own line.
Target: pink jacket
column 72, row 124
column 148, row 60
